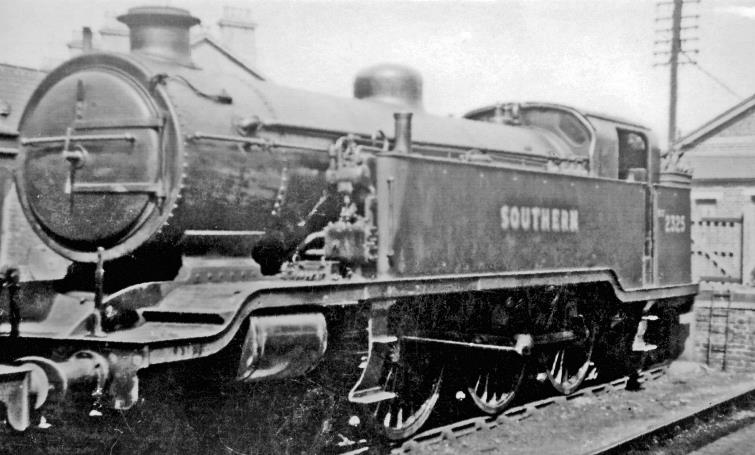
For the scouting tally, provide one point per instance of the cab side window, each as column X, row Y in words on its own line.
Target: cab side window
column 633, row 156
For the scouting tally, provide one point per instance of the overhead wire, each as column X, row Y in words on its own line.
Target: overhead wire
column 712, row 76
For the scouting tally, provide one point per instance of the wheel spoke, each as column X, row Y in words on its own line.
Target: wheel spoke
column 495, row 382
column 569, row 364
column 559, row 370
column 417, row 391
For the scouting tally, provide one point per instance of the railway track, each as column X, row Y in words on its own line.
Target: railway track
column 645, row 435
column 463, row 428
column 485, row 423
column 648, row 437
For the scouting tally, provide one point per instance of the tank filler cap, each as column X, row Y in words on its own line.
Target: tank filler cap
column 390, row 83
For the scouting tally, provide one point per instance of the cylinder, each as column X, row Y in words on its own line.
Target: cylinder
column 282, row 346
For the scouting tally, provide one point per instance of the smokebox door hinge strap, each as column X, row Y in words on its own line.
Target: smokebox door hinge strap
column 76, row 155
column 69, row 138
column 155, row 122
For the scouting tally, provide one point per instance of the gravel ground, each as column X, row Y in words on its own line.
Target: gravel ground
column 205, row 418
column 591, row 422
column 739, row 442
column 302, row 418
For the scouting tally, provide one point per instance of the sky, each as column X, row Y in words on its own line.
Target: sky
column 593, row 54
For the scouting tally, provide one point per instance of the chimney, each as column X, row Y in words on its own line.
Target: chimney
column 86, row 40
column 237, row 34
column 161, row 32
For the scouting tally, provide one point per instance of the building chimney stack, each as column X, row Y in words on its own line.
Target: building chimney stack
column 237, row 33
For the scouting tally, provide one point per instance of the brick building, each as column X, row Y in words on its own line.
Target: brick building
column 721, row 154
column 18, row 244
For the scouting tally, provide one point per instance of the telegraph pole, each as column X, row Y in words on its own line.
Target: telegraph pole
column 676, row 49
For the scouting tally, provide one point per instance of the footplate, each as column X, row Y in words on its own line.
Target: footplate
column 14, row 394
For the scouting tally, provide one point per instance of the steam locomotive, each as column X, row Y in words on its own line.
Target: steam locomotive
column 206, row 212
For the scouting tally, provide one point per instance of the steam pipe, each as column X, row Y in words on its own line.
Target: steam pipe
column 403, row 132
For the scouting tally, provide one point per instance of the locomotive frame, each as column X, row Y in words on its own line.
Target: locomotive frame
column 494, row 237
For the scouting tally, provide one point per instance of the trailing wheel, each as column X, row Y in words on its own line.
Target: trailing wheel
column 414, row 375
column 567, row 364
column 495, row 380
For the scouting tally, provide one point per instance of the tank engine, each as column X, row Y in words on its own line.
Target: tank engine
column 203, row 210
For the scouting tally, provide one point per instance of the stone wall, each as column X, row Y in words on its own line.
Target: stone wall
column 724, row 328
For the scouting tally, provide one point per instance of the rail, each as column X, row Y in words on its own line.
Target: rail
column 466, row 427
column 673, row 425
